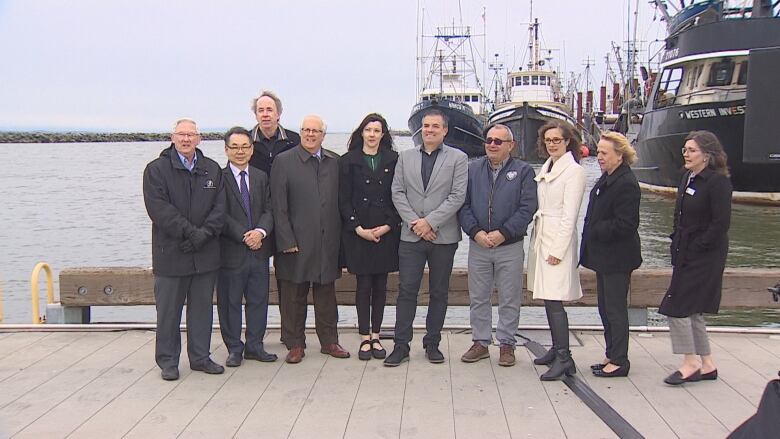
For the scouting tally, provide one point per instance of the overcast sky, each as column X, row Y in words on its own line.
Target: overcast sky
column 138, row 65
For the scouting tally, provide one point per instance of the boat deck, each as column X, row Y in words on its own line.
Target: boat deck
column 106, row 385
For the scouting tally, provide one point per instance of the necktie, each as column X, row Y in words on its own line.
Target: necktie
column 245, row 197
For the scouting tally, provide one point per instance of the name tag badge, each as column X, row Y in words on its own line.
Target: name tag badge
column 690, row 191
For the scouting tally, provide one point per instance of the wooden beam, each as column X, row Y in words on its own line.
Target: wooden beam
column 112, row 286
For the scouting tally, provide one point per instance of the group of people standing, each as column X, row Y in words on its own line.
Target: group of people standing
column 375, row 211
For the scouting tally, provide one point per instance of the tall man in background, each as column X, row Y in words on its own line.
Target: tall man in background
column 244, row 268
column 268, row 137
column 183, row 196
column 428, row 188
column 304, row 195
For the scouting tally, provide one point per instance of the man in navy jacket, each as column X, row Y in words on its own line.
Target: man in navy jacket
column 500, row 203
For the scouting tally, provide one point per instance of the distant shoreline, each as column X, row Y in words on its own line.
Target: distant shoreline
column 82, row 137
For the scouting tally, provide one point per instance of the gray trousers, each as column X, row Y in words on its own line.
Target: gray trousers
column 501, row 267
column 412, row 257
column 170, row 293
column 689, row 335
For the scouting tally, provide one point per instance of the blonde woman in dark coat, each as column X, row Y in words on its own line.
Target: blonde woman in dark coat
column 611, row 248
column 700, row 244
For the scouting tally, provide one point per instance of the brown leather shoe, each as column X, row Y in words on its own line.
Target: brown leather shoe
column 295, row 355
column 507, row 355
column 475, row 353
column 335, row 350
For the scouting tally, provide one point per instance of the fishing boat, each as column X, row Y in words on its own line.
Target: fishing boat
column 451, row 85
column 705, row 84
column 532, row 98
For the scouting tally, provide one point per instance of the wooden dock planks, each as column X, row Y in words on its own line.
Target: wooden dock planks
column 84, row 385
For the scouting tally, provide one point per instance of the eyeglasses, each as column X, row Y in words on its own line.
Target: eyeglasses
column 239, row 148
column 496, row 141
column 554, row 140
column 311, row 131
column 187, row 135
column 689, row 150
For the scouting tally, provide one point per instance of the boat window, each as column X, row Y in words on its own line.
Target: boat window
column 693, row 76
column 743, row 72
column 720, row 73
column 534, row 80
column 425, row 98
column 475, row 98
column 467, row 98
column 668, row 87
column 526, row 80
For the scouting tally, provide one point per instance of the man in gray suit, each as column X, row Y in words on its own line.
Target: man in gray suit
column 244, row 265
column 429, row 187
column 304, row 195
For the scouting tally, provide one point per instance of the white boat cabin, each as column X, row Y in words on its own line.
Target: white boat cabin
column 454, row 89
column 701, row 79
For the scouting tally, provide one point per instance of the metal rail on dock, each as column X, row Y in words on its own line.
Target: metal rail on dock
column 37, row 319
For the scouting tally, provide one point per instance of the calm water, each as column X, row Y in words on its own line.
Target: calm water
column 77, row 205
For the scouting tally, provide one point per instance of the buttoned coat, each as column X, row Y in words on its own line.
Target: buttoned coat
column 365, row 200
column 610, row 236
column 700, row 245
column 304, row 196
column 232, row 246
column 560, row 191
column 440, row 201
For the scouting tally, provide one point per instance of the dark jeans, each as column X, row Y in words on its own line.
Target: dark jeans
column 412, row 257
column 249, row 281
column 612, row 292
column 293, row 300
column 170, row 293
column 370, row 297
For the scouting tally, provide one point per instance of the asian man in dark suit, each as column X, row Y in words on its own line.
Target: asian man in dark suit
column 244, row 266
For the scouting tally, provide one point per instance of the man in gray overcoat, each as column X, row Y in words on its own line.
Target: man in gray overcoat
column 304, row 197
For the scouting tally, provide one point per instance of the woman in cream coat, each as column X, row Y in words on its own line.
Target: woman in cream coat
column 553, row 255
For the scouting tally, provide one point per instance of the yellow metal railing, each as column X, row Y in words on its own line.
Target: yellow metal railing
column 37, row 318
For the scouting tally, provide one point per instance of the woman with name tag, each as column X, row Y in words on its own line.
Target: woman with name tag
column 371, row 227
column 610, row 246
column 700, row 244
column 553, row 255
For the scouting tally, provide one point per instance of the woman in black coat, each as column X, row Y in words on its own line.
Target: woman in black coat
column 610, row 246
column 371, row 226
column 700, row 244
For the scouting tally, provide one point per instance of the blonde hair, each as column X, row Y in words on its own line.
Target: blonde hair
column 621, row 145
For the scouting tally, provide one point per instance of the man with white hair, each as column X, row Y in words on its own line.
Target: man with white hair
column 183, row 196
column 304, row 196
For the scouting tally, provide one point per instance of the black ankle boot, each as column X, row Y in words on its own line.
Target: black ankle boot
column 547, row 358
column 562, row 365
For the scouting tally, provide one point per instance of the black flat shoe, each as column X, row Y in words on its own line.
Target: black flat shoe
column 621, row 371
column 597, row 366
column 710, row 375
column 676, row 378
column 364, row 355
column 377, row 353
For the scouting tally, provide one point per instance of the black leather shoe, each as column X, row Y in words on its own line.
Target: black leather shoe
column 433, row 354
column 547, row 358
column 234, row 359
column 377, row 353
column 365, row 355
column 263, row 356
column 399, row 355
column 676, row 378
column 170, row 373
column 621, row 371
column 597, row 366
column 208, row 366
column 710, row 375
